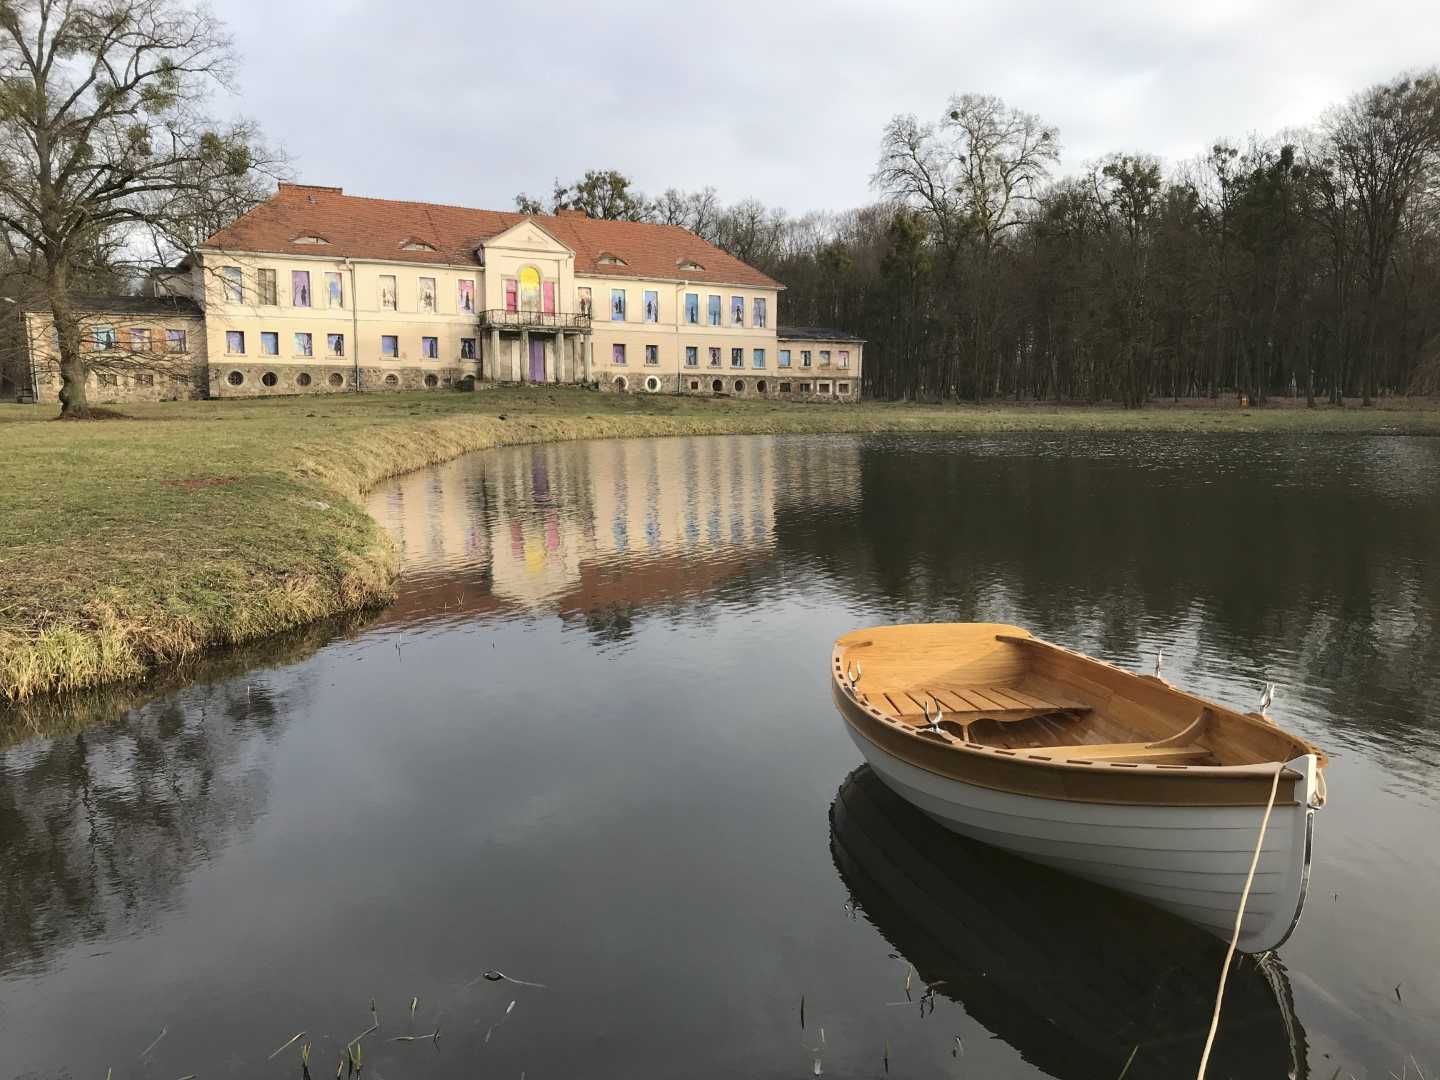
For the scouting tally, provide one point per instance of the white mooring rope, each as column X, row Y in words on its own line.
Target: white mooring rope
column 1239, row 919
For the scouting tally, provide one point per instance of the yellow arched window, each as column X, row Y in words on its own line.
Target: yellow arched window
column 529, row 288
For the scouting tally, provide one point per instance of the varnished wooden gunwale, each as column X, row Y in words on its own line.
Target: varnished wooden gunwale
column 1049, row 774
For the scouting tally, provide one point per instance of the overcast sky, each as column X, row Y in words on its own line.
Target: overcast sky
column 471, row 101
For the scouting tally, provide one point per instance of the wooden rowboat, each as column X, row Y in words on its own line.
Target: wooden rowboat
column 1068, row 761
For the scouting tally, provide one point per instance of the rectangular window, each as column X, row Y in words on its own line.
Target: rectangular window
column 652, row 354
column 235, row 342
column 844, row 357
column 139, row 339
column 104, row 338
column 144, row 379
column 465, row 295
column 822, row 388
column 387, row 292
column 300, row 288
column 617, row 305
column 842, row 388
column 389, row 345
column 737, row 311
column 233, row 284
column 617, row 354
column 804, row 357
column 265, row 286
column 712, row 311
column 304, row 344
column 335, row 290
column 692, row 308
column 108, row 380
column 269, row 343
column 758, row 311
column 582, row 294
column 176, row 341
column 784, row 388
column 692, row 356
column 547, row 297
column 804, row 388
column 824, row 357
column 784, row 360
column 335, row 343
column 512, row 294
column 759, row 358
column 467, row 348
column 714, row 356
column 737, row 357
column 430, row 348
column 427, row 294
column 652, row 306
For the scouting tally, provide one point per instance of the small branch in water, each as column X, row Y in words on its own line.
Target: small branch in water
column 288, row 1042
column 146, row 1052
column 1135, row 1050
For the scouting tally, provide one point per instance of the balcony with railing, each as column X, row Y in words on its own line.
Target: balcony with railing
column 503, row 319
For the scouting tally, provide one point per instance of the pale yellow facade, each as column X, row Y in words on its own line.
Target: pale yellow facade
column 290, row 314
column 132, row 355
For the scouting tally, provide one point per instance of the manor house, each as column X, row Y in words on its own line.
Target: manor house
column 315, row 291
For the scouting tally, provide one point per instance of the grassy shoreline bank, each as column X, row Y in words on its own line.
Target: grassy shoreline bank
column 129, row 546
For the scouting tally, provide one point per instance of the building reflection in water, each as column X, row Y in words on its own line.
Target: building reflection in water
column 1071, row 975
column 583, row 530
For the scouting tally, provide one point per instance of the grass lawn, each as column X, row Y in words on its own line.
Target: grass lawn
column 128, row 545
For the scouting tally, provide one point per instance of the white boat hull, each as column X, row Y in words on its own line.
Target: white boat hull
column 1188, row 860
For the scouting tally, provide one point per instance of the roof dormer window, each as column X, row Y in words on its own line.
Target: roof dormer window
column 608, row 259
column 416, row 245
column 688, row 264
column 308, row 238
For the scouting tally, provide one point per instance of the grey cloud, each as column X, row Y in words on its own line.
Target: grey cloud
column 471, row 102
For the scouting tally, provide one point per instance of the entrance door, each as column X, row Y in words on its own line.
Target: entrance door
column 537, row 359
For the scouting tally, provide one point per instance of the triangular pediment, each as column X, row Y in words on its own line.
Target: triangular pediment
column 528, row 235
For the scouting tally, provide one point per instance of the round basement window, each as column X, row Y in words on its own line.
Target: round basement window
column 718, row 386
column 621, row 384
column 392, row 380
column 739, row 386
column 303, row 379
column 431, row 382
column 336, row 379
column 652, row 384
column 269, row 378
column 760, row 387
column 235, row 378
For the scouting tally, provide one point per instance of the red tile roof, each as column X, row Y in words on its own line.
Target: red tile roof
column 364, row 228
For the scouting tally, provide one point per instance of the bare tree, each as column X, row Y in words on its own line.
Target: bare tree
column 1386, row 145
column 100, row 132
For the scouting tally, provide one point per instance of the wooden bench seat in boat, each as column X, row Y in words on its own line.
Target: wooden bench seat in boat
column 966, row 704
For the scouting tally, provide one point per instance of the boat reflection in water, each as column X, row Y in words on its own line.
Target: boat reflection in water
column 1072, row 975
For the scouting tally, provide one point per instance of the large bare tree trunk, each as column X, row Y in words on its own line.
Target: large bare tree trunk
column 73, row 403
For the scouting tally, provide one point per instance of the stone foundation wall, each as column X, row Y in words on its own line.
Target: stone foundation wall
column 732, row 382
column 280, row 380
column 117, row 388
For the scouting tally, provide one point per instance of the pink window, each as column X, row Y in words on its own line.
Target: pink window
column 512, row 294
column 547, row 293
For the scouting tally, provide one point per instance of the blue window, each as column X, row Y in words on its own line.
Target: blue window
column 784, row 357
column 617, row 305
column 692, row 353
column 737, row 357
column 714, row 309
column 235, row 342
column 389, row 345
column 759, row 358
column 692, row 308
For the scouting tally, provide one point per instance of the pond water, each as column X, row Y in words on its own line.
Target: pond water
column 591, row 746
